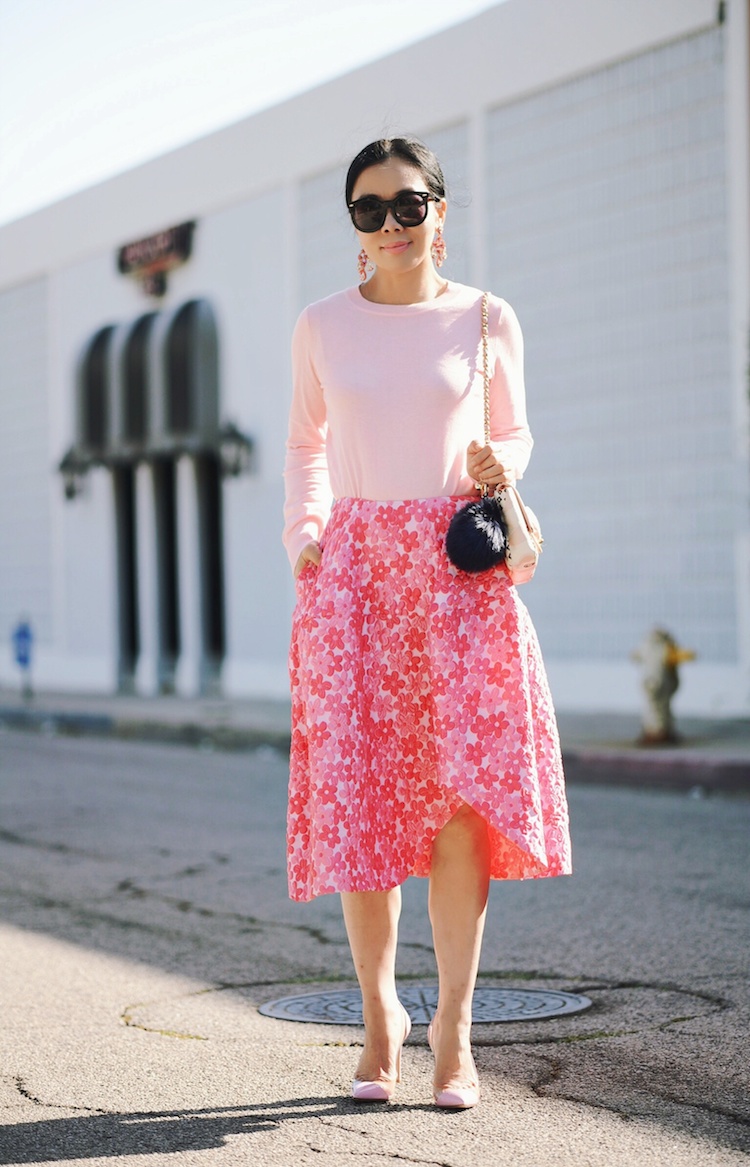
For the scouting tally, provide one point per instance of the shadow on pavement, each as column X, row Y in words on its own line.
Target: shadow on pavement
column 90, row 1136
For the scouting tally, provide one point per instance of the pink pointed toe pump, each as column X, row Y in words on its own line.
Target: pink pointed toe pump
column 382, row 1089
column 456, row 1097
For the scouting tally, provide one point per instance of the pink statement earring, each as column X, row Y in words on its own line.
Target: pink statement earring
column 439, row 250
column 364, row 266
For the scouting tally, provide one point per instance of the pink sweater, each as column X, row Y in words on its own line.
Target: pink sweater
column 387, row 397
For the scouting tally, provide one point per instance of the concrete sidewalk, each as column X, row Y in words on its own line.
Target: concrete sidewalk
column 712, row 754
column 144, row 919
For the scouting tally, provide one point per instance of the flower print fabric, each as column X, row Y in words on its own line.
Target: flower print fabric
column 415, row 688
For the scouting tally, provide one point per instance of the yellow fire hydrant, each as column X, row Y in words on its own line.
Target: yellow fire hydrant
column 659, row 655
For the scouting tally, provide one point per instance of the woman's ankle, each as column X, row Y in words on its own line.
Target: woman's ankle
column 382, row 1012
column 451, row 1021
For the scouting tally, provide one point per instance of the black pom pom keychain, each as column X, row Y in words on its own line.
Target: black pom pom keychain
column 476, row 539
column 477, row 536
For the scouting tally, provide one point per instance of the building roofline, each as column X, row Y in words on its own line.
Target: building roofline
column 500, row 55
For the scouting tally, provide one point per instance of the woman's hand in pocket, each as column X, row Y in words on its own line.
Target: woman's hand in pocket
column 309, row 554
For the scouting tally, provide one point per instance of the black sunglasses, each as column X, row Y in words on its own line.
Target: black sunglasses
column 409, row 208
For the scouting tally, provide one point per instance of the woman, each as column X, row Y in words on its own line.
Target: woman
column 424, row 740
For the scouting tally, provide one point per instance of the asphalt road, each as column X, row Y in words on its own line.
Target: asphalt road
column 143, row 917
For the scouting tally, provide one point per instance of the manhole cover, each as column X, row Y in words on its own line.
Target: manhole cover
column 344, row 1006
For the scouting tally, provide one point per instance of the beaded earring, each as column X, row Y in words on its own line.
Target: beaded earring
column 439, row 250
column 364, row 266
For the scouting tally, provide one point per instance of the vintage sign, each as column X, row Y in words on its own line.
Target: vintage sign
column 149, row 260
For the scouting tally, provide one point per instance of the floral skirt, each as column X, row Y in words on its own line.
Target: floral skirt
column 416, row 688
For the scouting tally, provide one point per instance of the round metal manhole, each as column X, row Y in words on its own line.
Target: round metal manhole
column 344, row 1006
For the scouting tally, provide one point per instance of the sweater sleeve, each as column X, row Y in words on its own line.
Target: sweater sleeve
column 510, row 435
column 308, row 490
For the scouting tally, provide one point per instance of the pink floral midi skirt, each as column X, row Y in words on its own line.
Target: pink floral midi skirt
column 415, row 688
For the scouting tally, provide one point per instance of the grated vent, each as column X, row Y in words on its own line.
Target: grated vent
column 344, row 1006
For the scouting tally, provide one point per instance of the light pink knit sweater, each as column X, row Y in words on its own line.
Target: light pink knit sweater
column 387, row 397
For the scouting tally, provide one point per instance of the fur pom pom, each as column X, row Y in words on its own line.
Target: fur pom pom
column 476, row 538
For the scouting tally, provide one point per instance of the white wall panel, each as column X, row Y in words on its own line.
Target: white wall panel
column 188, row 671
column 90, row 627
column 451, row 144
column 240, row 265
column 606, row 201
column 25, row 527
column 328, row 246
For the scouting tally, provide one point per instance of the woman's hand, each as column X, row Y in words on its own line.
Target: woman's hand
column 309, row 554
column 486, row 467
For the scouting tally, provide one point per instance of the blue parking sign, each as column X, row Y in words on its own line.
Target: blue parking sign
column 22, row 640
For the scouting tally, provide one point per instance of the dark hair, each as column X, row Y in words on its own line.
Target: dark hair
column 409, row 150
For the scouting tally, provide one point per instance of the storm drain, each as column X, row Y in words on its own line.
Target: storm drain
column 344, row 1006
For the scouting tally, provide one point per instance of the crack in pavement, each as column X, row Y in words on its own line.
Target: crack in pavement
column 593, row 1035
column 554, row 1070
column 704, row 1108
column 25, row 1093
column 553, row 1074
column 41, row 845
column 384, row 1156
column 362, row 1132
column 127, row 1019
column 661, row 986
column 88, row 916
column 23, row 1090
column 254, row 923
column 193, row 869
column 741, row 1119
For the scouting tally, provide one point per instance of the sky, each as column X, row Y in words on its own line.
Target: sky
column 90, row 88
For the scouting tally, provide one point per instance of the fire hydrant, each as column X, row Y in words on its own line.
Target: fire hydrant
column 659, row 655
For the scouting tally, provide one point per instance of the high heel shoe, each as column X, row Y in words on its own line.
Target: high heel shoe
column 456, row 1097
column 382, row 1090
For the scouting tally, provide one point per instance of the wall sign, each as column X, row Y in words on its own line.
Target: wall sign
column 149, row 260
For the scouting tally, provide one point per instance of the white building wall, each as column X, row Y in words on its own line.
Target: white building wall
column 245, row 278
column 451, row 144
column 327, row 259
column 147, row 671
column 738, row 217
column 607, row 214
column 82, row 653
column 586, row 156
column 236, row 266
column 25, row 527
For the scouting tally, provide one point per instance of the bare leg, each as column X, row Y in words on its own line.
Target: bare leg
column 459, row 888
column 371, row 919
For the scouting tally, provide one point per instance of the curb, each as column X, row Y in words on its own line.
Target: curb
column 45, row 721
column 682, row 772
column 678, row 772
column 220, row 737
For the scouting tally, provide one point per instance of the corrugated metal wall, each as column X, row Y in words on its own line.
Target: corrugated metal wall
column 25, row 469
column 606, row 208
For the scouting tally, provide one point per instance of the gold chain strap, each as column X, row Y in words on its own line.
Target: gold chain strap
column 486, row 363
column 486, row 368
